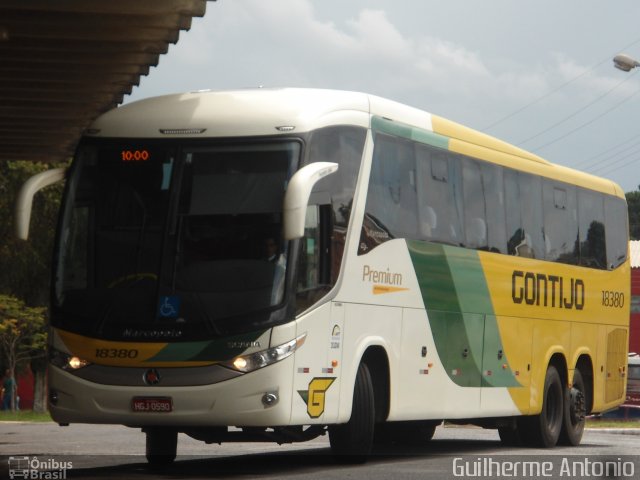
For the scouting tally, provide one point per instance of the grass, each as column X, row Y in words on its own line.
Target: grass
column 608, row 423
column 24, row 416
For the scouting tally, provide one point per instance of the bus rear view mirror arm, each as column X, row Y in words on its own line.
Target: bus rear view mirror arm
column 297, row 196
column 24, row 202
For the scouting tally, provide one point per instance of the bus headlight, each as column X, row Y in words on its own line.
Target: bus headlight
column 65, row 361
column 254, row 361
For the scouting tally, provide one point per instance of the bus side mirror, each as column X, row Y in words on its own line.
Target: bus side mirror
column 297, row 196
column 24, row 202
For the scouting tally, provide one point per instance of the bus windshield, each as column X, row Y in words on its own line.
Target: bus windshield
column 163, row 241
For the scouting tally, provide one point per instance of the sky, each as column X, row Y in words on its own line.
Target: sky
column 536, row 73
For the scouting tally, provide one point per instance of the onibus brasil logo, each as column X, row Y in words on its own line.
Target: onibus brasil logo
column 38, row 468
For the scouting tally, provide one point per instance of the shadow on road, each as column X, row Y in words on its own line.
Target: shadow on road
column 276, row 464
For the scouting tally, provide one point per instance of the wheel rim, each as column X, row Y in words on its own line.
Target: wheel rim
column 577, row 407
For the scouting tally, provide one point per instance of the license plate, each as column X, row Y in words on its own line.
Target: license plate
column 152, row 404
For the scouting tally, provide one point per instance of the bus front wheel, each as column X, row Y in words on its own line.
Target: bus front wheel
column 353, row 441
column 161, row 446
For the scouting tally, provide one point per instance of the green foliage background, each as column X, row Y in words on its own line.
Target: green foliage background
column 25, row 266
column 25, row 274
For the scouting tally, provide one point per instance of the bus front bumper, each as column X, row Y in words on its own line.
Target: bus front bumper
column 261, row 399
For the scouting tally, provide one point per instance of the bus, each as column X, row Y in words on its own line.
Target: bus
column 279, row 264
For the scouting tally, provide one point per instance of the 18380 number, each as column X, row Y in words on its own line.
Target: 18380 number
column 612, row 299
column 116, row 353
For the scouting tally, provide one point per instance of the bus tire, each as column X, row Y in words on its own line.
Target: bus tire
column 543, row 430
column 574, row 412
column 161, row 446
column 353, row 441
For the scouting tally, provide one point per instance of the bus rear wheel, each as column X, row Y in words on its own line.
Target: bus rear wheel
column 543, row 430
column 161, row 446
column 353, row 441
column 575, row 410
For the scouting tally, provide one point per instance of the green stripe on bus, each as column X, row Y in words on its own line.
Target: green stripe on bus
column 468, row 280
column 452, row 330
column 211, row 350
column 402, row 130
column 463, row 324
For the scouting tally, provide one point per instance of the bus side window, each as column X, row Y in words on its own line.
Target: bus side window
column 531, row 207
column 560, row 223
column 492, row 181
column 475, row 223
column 391, row 199
column 428, row 211
column 593, row 250
column 308, row 276
column 314, row 266
column 616, row 228
column 515, row 233
column 438, row 216
column 343, row 145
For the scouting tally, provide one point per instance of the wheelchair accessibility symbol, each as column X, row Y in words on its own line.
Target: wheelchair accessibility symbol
column 169, row 307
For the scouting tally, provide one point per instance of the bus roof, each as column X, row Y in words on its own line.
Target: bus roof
column 231, row 113
column 261, row 112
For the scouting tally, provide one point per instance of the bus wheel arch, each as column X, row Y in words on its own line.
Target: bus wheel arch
column 585, row 366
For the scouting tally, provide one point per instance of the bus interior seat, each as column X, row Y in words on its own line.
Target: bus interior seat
column 477, row 232
column 429, row 222
column 524, row 248
column 547, row 244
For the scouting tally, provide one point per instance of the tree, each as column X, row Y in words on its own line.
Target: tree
column 633, row 201
column 26, row 266
column 23, row 335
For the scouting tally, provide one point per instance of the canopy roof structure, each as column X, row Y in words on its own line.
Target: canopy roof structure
column 64, row 62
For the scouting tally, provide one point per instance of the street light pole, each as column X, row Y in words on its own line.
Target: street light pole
column 624, row 62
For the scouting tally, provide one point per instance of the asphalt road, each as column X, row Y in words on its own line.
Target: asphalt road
column 98, row 452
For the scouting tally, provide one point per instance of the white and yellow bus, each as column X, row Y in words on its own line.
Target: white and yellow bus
column 270, row 265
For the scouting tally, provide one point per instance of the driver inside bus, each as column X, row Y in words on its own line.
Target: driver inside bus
column 272, row 255
column 271, row 252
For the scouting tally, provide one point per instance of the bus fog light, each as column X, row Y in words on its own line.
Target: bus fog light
column 270, row 399
column 53, row 397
